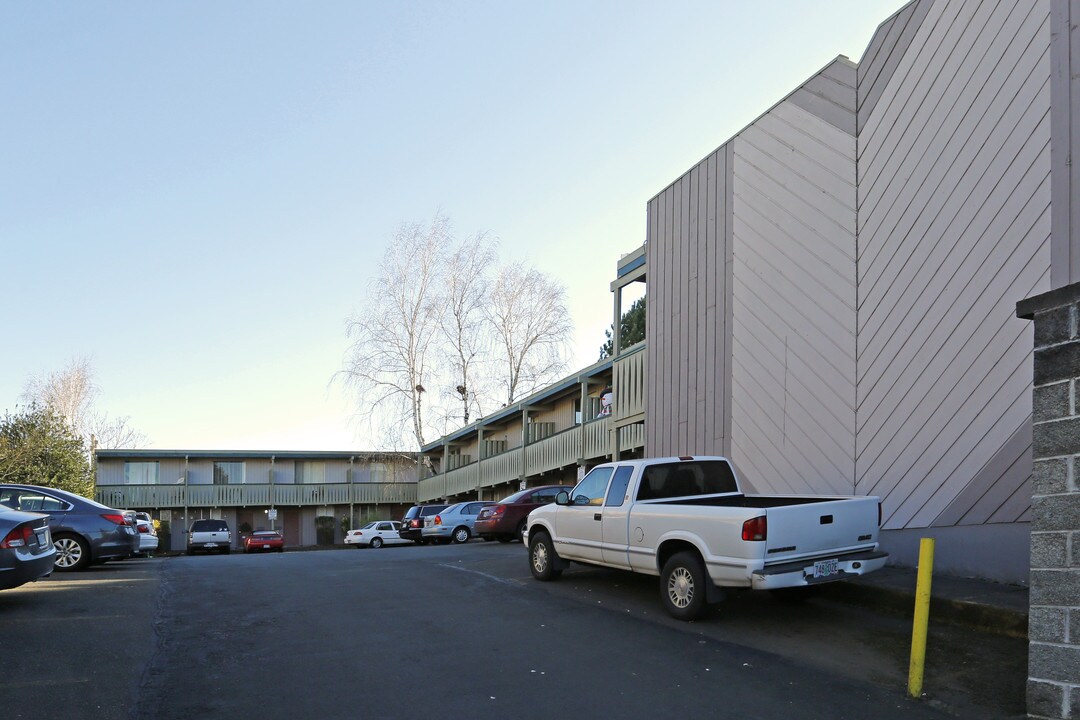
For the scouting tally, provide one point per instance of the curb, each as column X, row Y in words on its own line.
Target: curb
column 980, row 616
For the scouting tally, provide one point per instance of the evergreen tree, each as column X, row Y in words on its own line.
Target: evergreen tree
column 631, row 328
column 37, row 447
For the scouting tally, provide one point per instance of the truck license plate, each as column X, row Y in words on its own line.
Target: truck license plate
column 825, row 568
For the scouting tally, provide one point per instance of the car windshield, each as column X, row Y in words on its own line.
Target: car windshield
column 450, row 510
column 266, row 533
column 370, row 525
column 516, row 497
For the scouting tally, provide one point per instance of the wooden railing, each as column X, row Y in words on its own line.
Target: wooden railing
column 628, row 374
column 555, row 451
column 595, row 440
column 172, row 496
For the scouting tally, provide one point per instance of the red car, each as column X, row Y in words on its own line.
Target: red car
column 505, row 521
column 264, row 541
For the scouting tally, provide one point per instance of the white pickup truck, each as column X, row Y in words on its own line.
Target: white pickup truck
column 686, row 520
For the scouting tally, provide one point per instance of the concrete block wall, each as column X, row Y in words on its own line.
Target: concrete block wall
column 1054, row 619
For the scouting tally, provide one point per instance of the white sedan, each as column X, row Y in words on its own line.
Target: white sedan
column 376, row 534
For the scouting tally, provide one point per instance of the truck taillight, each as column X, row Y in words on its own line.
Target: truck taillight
column 755, row 529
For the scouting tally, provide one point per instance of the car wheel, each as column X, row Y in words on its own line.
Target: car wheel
column 72, row 553
column 522, row 533
column 542, row 557
column 504, row 538
column 461, row 535
column 226, row 551
column 682, row 586
column 376, row 543
column 421, row 542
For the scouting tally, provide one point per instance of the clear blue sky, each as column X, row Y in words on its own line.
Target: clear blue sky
column 194, row 195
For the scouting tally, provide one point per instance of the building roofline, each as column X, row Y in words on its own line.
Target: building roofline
column 149, row 453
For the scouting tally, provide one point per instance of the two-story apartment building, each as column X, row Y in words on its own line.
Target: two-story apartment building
column 312, row 497
column 832, row 294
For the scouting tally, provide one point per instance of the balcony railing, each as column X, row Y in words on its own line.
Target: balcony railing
column 173, row 496
column 628, row 374
column 591, row 440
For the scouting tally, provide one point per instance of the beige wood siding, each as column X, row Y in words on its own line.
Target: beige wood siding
column 954, row 226
column 688, row 354
column 793, row 294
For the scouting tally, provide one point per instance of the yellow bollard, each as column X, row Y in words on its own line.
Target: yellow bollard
column 922, row 617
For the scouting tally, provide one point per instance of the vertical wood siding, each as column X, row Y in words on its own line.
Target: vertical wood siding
column 954, row 226
column 687, row 354
column 793, row 294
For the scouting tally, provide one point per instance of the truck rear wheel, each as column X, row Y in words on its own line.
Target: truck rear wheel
column 542, row 557
column 682, row 586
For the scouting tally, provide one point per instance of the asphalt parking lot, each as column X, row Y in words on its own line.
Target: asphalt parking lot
column 461, row 631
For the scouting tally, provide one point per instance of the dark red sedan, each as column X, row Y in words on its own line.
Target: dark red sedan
column 264, row 541
column 505, row 521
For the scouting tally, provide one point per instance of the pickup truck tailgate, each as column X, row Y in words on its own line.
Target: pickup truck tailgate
column 816, row 528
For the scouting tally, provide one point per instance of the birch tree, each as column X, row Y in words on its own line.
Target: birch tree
column 531, row 327
column 388, row 363
column 72, row 394
column 465, row 282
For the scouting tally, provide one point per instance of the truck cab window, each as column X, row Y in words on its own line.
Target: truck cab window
column 617, row 494
column 590, row 491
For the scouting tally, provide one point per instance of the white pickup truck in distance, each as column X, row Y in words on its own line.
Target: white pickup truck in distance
column 686, row 520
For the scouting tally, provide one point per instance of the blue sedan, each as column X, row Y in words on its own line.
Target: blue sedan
column 26, row 547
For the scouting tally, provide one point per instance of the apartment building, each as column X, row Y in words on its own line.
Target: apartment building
column 312, row 497
column 832, row 294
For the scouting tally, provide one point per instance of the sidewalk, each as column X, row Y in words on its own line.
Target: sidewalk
column 987, row 605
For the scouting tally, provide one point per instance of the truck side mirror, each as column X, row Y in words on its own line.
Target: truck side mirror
column 563, row 498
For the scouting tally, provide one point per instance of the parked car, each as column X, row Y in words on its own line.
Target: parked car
column 148, row 539
column 412, row 524
column 83, row 531
column 688, row 521
column 505, row 520
column 264, row 541
column 26, row 547
column 209, row 535
column 454, row 523
column 376, row 534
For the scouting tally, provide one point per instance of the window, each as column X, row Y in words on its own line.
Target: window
column 617, row 494
column 546, row 496
column 386, row 526
column 681, row 479
column 378, row 472
column 32, row 501
column 590, row 491
column 141, row 473
column 310, row 473
column 228, row 473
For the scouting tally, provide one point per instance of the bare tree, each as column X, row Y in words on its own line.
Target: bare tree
column 69, row 392
column 465, row 283
column 532, row 327
column 388, row 364
column 72, row 393
column 114, row 432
